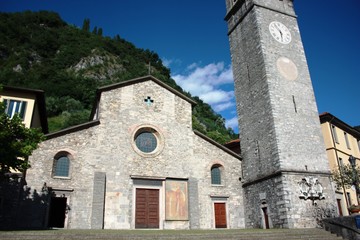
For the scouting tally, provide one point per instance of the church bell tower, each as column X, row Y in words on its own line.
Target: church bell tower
column 286, row 175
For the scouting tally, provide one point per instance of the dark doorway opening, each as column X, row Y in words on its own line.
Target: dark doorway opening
column 57, row 212
column 266, row 217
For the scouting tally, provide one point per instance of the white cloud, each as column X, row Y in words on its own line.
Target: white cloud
column 205, row 82
column 211, row 83
column 214, row 74
column 167, row 62
column 170, row 62
column 217, row 95
column 192, row 66
column 232, row 123
column 224, row 106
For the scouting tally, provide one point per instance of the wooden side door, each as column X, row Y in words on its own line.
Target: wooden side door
column 147, row 208
column 220, row 215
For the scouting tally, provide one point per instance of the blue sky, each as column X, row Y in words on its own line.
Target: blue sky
column 190, row 36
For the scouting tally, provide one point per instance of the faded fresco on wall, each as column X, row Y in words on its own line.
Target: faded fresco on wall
column 176, row 200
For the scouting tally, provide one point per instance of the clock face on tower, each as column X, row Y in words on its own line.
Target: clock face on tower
column 280, row 32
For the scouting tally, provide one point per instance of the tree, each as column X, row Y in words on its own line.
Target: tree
column 86, row 25
column 100, row 32
column 95, row 30
column 345, row 176
column 16, row 143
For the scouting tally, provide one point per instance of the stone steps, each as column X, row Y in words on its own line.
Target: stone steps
column 244, row 234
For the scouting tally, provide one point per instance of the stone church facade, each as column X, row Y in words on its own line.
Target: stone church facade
column 137, row 164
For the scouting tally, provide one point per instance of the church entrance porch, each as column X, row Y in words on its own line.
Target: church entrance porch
column 147, row 208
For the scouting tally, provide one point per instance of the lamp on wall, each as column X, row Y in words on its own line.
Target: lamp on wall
column 355, row 177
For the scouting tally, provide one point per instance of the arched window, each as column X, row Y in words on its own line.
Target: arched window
column 216, row 175
column 61, row 165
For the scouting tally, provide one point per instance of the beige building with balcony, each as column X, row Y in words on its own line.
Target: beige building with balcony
column 341, row 141
column 28, row 103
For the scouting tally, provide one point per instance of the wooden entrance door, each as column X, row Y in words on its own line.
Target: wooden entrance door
column 147, row 208
column 220, row 215
column 57, row 212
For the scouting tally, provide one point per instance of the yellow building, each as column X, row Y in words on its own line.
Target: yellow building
column 341, row 141
column 28, row 103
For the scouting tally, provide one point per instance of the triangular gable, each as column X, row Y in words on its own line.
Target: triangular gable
column 93, row 120
column 100, row 90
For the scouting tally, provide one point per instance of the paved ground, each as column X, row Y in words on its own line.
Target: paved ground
column 244, row 234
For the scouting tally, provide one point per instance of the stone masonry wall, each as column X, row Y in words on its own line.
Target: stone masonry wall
column 286, row 209
column 108, row 151
column 278, row 118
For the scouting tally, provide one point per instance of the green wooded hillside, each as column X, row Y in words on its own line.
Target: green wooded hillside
column 39, row 50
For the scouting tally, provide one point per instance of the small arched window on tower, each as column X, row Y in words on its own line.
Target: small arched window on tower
column 216, row 174
column 61, row 167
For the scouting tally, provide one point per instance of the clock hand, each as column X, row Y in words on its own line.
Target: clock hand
column 281, row 34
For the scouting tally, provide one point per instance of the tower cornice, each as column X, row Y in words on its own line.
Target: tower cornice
column 283, row 172
column 241, row 8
